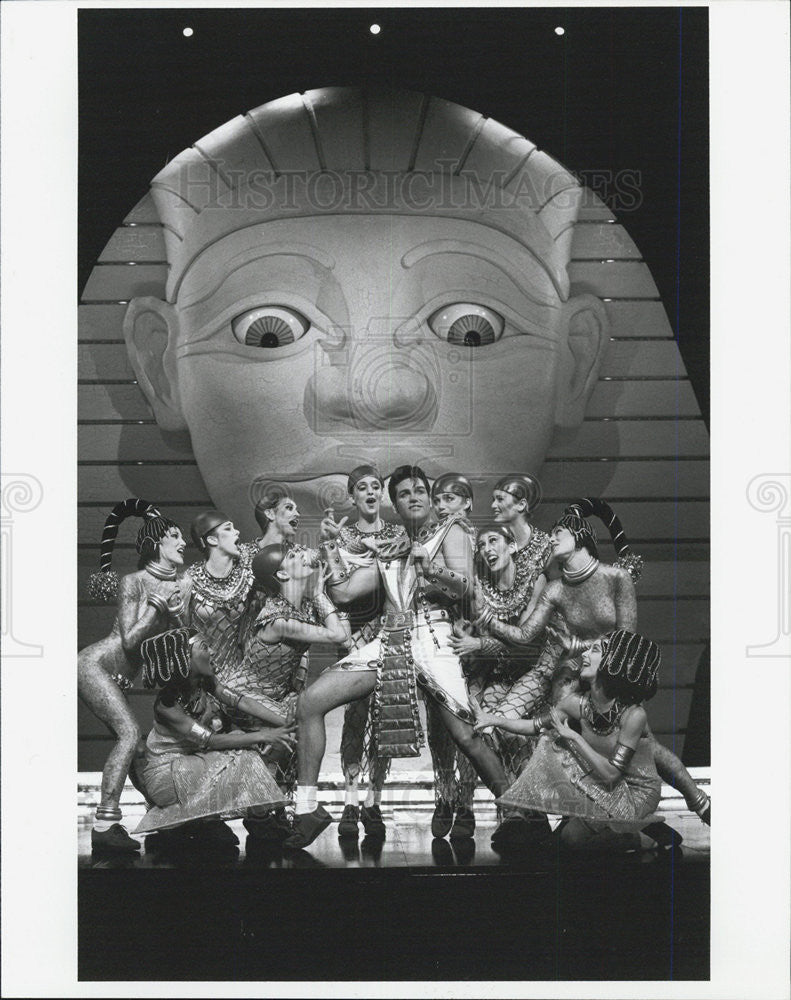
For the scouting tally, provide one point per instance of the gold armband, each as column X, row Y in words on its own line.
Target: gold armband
column 233, row 698
column 454, row 584
column 543, row 723
column 200, row 734
column 622, row 757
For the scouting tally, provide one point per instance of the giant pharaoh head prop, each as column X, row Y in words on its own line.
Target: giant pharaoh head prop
column 361, row 277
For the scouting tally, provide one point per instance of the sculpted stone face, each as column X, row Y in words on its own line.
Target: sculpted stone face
column 297, row 349
column 364, row 279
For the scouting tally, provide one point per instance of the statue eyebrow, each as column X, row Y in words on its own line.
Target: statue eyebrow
column 308, row 253
column 434, row 248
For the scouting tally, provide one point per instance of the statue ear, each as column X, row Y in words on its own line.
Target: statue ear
column 150, row 331
column 587, row 325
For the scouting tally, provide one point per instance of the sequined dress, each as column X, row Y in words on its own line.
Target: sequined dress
column 556, row 780
column 186, row 783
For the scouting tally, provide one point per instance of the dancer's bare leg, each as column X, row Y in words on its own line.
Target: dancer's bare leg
column 330, row 690
column 672, row 771
column 481, row 756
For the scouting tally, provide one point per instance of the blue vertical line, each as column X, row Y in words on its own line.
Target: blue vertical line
column 675, row 499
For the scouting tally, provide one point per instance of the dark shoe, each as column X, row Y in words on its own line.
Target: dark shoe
column 113, row 841
column 665, row 836
column 347, row 828
column 373, row 824
column 273, row 828
column 442, row 819
column 463, row 825
column 307, row 826
column 519, row 831
column 212, row 831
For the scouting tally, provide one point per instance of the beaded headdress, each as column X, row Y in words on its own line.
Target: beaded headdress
column 103, row 585
column 452, row 482
column 522, row 487
column 498, row 529
column 629, row 666
column 205, row 522
column 575, row 519
column 166, row 656
column 265, row 565
column 360, row 473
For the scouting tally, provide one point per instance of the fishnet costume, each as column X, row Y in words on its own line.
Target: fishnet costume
column 224, row 610
column 273, row 674
column 518, row 699
column 455, row 779
column 509, row 683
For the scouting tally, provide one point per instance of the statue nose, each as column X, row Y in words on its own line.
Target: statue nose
column 370, row 390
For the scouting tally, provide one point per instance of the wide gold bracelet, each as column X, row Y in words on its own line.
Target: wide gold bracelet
column 622, row 757
column 200, row 734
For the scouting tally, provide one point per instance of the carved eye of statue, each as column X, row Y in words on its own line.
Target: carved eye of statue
column 467, row 324
column 269, row 326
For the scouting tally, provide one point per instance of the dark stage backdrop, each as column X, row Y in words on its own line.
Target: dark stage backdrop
column 621, row 99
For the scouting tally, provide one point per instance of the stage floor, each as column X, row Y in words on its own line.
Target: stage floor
column 408, row 844
column 411, row 908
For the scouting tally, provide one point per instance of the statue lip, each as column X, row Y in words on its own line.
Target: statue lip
column 336, row 460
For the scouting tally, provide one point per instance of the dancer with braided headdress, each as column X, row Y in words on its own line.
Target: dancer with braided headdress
column 192, row 772
column 604, row 776
column 148, row 601
column 593, row 598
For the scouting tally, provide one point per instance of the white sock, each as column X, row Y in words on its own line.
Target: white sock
column 103, row 825
column 374, row 797
column 353, row 795
column 306, row 800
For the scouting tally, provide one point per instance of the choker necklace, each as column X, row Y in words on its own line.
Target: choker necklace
column 161, row 571
column 602, row 723
column 577, row 576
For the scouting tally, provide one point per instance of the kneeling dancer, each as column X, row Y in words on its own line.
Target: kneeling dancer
column 602, row 777
column 191, row 771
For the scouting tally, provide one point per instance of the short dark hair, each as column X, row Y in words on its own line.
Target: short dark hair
column 397, row 476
